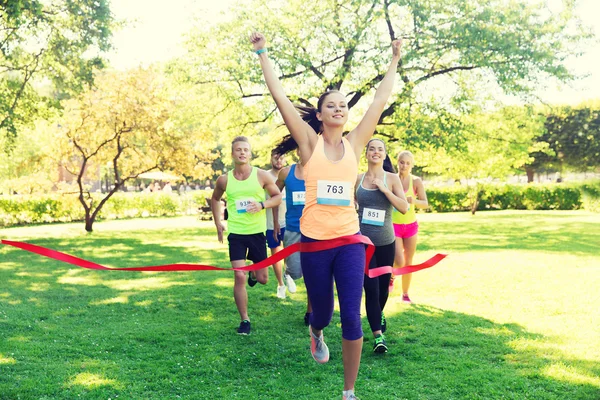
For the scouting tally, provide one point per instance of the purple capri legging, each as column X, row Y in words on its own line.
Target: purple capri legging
column 345, row 264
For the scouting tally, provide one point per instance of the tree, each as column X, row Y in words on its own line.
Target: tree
column 338, row 44
column 574, row 135
column 130, row 124
column 54, row 39
column 30, row 168
column 496, row 145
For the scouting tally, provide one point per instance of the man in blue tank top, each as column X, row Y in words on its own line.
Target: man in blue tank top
column 291, row 178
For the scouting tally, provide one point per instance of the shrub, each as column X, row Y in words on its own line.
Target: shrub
column 19, row 210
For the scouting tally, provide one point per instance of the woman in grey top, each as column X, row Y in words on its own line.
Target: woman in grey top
column 377, row 191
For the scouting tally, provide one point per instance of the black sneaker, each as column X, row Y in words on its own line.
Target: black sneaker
column 383, row 323
column 307, row 318
column 380, row 346
column 244, row 328
column 251, row 280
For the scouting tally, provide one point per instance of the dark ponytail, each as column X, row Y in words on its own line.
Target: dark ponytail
column 308, row 115
column 387, row 165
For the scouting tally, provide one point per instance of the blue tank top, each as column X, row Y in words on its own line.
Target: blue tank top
column 294, row 200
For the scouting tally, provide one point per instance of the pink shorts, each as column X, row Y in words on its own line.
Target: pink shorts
column 406, row 230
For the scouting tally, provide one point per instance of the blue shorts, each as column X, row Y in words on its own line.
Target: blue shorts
column 271, row 242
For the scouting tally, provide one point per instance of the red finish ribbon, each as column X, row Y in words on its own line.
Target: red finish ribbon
column 287, row 251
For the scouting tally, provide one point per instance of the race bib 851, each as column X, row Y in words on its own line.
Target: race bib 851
column 372, row 216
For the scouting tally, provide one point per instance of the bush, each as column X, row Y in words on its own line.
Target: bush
column 591, row 196
column 558, row 196
column 20, row 210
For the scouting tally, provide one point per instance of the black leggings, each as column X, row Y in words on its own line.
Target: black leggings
column 377, row 289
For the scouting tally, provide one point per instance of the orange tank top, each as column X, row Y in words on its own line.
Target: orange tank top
column 329, row 206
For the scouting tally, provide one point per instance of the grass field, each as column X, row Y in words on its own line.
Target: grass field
column 512, row 313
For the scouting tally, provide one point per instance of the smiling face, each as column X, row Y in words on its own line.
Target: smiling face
column 333, row 110
column 240, row 152
column 376, row 151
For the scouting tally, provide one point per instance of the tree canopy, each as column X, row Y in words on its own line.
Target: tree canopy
column 451, row 46
column 130, row 124
column 56, row 40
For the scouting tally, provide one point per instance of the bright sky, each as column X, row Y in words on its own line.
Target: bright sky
column 156, row 28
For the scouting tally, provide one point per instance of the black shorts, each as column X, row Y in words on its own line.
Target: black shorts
column 247, row 247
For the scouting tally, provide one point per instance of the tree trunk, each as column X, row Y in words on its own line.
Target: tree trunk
column 89, row 221
column 475, row 202
column 530, row 173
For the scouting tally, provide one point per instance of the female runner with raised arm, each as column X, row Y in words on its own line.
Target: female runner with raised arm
column 330, row 168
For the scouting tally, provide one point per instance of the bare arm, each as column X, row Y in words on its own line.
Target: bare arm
column 395, row 194
column 215, row 205
column 302, row 133
column 358, row 177
column 281, row 177
column 267, row 182
column 363, row 132
column 421, row 200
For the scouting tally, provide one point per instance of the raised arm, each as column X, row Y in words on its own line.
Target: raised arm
column 363, row 132
column 302, row 133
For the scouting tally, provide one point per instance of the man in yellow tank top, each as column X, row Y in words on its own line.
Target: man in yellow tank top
column 245, row 187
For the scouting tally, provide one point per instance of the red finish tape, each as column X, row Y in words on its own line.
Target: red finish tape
column 287, row 251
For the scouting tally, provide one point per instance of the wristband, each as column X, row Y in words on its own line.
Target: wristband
column 260, row 51
column 263, row 205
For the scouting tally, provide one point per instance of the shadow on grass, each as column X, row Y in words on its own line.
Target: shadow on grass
column 549, row 232
column 69, row 332
column 439, row 354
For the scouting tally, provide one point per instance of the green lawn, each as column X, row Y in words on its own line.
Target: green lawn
column 512, row 313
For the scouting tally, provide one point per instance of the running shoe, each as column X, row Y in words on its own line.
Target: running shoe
column 244, row 328
column 281, row 291
column 380, row 346
column 291, row 285
column 307, row 319
column 251, row 280
column 406, row 299
column 351, row 396
column 318, row 348
column 383, row 323
column 391, row 287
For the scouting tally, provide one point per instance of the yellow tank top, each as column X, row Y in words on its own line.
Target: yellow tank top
column 239, row 193
column 329, row 206
column 410, row 216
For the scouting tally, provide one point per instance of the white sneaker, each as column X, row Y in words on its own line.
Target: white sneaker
column 281, row 292
column 291, row 285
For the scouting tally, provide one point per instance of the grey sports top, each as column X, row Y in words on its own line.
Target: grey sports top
column 375, row 214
